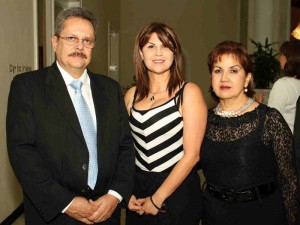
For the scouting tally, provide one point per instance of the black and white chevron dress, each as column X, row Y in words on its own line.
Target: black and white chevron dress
column 158, row 141
column 157, row 136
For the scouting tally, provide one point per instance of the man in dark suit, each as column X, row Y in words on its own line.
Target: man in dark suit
column 48, row 147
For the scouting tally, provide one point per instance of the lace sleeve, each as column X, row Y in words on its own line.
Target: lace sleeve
column 279, row 137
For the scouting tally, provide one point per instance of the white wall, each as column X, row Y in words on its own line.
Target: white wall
column 18, row 43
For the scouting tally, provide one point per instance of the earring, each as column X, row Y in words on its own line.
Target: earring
column 246, row 89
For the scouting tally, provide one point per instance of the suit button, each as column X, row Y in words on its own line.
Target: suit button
column 84, row 167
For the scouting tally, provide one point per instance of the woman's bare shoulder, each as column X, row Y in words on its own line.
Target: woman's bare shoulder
column 129, row 96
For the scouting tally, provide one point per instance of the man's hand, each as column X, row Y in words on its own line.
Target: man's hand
column 106, row 206
column 80, row 209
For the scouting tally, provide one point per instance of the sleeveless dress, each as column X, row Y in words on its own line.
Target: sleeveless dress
column 158, row 141
column 248, row 151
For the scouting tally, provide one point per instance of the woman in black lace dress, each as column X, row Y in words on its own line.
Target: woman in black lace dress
column 247, row 155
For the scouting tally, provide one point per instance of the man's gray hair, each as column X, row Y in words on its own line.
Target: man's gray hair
column 75, row 12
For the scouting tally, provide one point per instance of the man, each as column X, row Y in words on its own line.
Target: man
column 70, row 173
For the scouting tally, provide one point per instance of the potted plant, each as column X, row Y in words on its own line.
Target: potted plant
column 266, row 65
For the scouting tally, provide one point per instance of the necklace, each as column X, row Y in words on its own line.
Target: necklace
column 234, row 113
column 154, row 93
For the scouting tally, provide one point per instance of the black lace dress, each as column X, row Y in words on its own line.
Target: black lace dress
column 246, row 151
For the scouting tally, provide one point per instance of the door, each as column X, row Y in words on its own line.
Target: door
column 18, row 40
column 113, row 52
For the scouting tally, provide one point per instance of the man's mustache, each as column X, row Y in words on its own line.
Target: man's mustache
column 82, row 55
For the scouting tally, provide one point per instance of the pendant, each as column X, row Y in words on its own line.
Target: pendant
column 152, row 98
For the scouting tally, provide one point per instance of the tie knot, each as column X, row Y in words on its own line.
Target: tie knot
column 76, row 85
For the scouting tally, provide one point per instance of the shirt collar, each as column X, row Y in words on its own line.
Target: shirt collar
column 84, row 78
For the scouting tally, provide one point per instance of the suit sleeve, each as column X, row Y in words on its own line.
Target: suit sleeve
column 123, row 178
column 25, row 153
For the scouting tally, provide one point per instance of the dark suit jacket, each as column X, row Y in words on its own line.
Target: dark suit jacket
column 47, row 149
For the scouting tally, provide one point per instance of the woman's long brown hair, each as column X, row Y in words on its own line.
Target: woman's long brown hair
column 169, row 39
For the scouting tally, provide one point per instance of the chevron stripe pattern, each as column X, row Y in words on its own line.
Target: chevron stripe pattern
column 157, row 134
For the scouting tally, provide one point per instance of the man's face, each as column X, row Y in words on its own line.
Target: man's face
column 74, row 59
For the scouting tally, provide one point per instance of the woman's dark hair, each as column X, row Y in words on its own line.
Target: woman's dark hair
column 284, row 48
column 291, row 50
column 169, row 39
column 240, row 52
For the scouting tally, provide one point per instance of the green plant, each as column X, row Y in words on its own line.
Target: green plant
column 266, row 65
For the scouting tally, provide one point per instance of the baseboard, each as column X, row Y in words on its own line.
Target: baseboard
column 13, row 216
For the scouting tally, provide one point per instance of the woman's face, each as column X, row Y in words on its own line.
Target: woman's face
column 228, row 78
column 157, row 57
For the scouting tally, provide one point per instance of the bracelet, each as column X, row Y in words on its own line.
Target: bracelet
column 154, row 203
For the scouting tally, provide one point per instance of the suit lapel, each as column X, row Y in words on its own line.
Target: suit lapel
column 100, row 104
column 57, row 92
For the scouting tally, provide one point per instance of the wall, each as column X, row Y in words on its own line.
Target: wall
column 273, row 25
column 18, row 42
column 105, row 11
column 200, row 25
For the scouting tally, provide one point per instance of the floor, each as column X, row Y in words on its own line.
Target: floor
column 21, row 221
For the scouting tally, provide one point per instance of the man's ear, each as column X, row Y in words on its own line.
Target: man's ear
column 54, row 41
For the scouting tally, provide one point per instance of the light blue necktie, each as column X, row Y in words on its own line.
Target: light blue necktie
column 88, row 130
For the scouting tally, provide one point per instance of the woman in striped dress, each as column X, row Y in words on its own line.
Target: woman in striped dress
column 168, row 118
